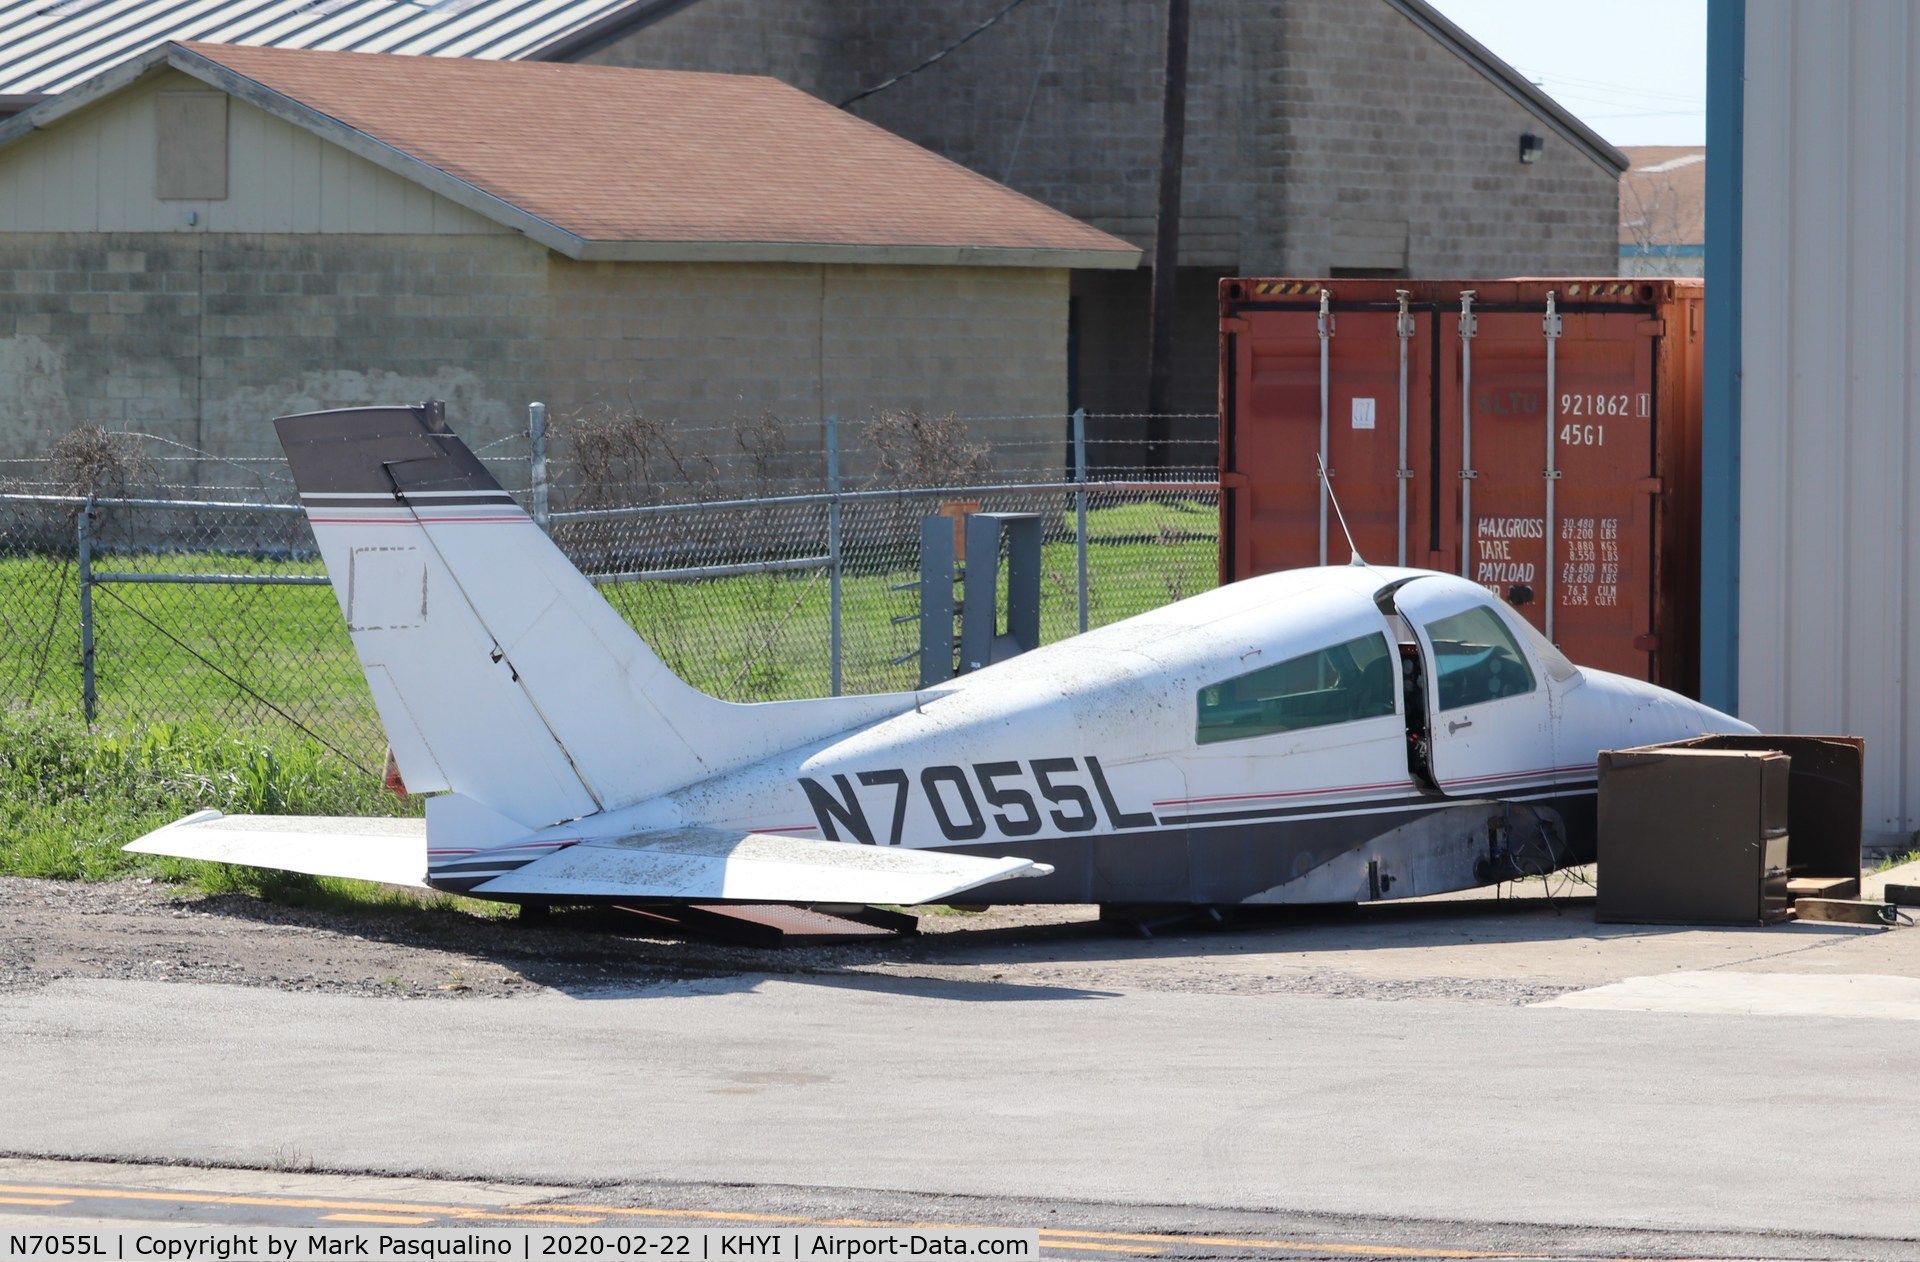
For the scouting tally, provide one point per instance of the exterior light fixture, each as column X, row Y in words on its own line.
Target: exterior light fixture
column 1530, row 147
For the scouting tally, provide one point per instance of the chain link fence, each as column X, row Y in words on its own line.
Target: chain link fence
column 785, row 566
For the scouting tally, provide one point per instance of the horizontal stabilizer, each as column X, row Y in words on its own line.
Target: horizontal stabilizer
column 708, row 864
column 390, row 851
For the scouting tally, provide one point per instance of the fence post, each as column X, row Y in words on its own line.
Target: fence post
column 537, row 472
column 833, row 552
column 1080, row 505
column 83, row 534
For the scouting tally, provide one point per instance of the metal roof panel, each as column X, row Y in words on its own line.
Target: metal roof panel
column 51, row 47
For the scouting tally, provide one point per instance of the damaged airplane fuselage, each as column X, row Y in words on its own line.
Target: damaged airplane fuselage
column 1323, row 735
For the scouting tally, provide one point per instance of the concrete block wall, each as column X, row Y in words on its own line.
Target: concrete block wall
column 1383, row 125
column 303, row 323
column 1301, row 117
column 801, row 42
column 1062, row 101
column 201, row 339
column 708, row 344
column 1315, row 132
column 95, row 328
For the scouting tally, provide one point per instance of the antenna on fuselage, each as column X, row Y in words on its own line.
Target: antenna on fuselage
column 1327, row 482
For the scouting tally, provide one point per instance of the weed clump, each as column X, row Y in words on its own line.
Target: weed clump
column 70, row 797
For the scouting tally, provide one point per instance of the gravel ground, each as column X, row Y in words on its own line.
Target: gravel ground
column 146, row 930
column 140, row 929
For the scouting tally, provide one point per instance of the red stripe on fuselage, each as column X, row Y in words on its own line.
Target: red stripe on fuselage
column 416, row 521
column 1292, row 793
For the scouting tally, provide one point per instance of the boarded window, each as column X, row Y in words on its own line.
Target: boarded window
column 190, row 146
column 1355, row 680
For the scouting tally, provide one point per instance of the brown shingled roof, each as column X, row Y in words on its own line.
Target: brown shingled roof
column 608, row 154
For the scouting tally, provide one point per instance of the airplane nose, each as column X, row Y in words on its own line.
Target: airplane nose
column 1720, row 722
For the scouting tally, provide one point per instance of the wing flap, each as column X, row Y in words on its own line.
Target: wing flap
column 390, row 851
column 707, row 864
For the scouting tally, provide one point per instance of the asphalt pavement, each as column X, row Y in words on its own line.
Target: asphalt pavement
column 1410, row 1108
column 1510, row 1081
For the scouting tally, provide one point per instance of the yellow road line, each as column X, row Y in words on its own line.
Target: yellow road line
column 211, row 1198
column 397, row 1220
column 1101, row 1248
column 1101, row 1241
column 715, row 1214
column 559, row 1214
column 1316, row 1246
column 1065, row 1236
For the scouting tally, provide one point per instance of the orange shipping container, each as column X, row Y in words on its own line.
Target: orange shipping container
column 1541, row 435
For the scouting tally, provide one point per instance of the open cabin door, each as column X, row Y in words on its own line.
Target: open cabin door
column 1488, row 714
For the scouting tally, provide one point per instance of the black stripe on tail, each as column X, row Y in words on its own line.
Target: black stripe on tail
column 388, row 452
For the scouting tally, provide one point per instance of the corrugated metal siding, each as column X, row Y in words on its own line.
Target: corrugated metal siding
column 51, row 45
column 97, row 174
column 1829, row 594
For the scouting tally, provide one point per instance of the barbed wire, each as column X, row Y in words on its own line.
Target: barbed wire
column 768, row 453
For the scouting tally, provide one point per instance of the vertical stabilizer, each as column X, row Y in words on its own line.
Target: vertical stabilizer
column 497, row 669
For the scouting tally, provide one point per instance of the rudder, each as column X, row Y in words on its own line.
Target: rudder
column 497, row 669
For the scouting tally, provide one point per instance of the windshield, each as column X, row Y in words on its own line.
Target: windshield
column 1559, row 668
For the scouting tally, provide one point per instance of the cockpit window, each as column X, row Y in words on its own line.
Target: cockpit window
column 1559, row 668
column 1476, row 659
column 1355, row 680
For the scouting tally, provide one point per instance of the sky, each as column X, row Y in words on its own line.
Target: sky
column 1633, row 70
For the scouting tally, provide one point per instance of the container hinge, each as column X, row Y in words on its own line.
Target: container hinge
column 1555, row 474
column 1403, row 473
column 1469, row 473
column 1650, row 486
column 1647, row 643
column 1233, row 324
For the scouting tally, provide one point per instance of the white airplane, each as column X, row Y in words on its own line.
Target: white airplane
column 1325, row 735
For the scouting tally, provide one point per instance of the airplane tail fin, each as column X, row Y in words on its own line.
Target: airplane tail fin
column 498, row 671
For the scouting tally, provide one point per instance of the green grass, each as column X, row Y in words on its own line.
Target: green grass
column 242, row 656
column 70, row 797
column 765, row 637
column 1153, row 521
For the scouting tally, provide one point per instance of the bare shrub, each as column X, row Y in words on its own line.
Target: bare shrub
column 90, row 460
column 760, row 447
column 623, row 456
column 912, row 449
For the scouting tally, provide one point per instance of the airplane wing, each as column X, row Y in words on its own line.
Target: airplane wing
column 709, row 864
column 390, row 851
column 674, row 865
